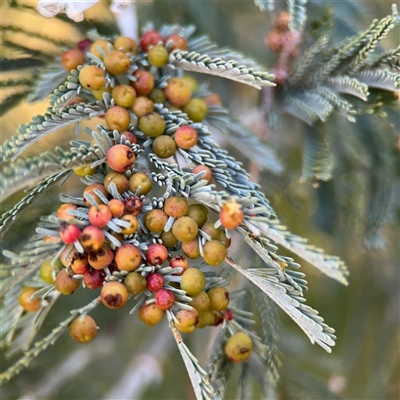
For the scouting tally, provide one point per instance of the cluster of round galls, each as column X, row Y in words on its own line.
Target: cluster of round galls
column 100, row 253
column 189, row 222
column 99, row 236
column 134, row 87
column 208, row 308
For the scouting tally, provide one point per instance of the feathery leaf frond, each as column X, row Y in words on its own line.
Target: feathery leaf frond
column 218, row 365
column 346, row 68
column 318, row 160
column 244, row 140
column 16, row 82
column 373, row 38
column 202, row 388
column 25, row 174
column 57, row 42
column 10, row 216
column 306, row 317
column 196, row 62
column 203, row 45
column 27, row 327
column 390, row 59
column 24, row 50
column 380, row 79
column 42, row 345
column 298, row 14
column 308, row 59
column 23, row 265
column 343, row 106
column 348, row 85
column 44, row 125
column 269, row 321
column 50, row 78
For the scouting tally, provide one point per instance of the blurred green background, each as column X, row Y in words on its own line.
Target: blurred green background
column 364, row 363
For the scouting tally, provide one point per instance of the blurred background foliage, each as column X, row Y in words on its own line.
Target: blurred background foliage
column 129, row 360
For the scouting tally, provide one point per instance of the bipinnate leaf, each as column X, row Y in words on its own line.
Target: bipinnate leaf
column 25, row 174
column 306, row 317
column 244, row 140
column 49, row 79
column 10, row 216
column 29, row 324
column 42, row 345
column 198, row 377
column 318, row 160
column 43, row 125
column 218, row 365
column 196, row 62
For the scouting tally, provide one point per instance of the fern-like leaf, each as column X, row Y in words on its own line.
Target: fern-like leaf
column 390, row 59
column 380, row 79
column 196, row 62
column 204, row 45
column 24, row 264
column 311, row 92
column 308, row 59
column 25, row 174
column 11, row 312
column 43, row 125
column 318, row 161
column 57, row 42
column 306, row 317
column 298, row 14
column 343, row 52
column 218, row 365
column 244, row 140
column 343, row 106
column 296, row 107
column 332, row 266
column 28, row 326
column 16, row 82
column 33, row 53
column 50, row 78
column 202, row 388
column 372, row 39
column 269, row 320
column 9, row 217
column 65, row 92
column 321, row 107
column 348, row 85
column 42, row 345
